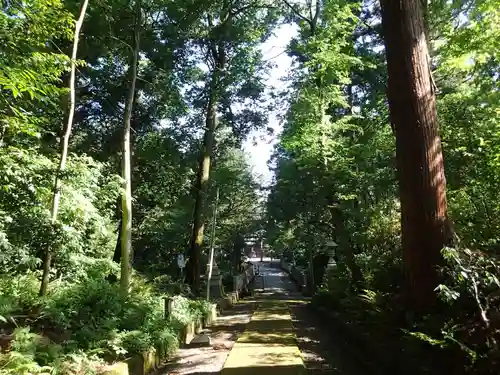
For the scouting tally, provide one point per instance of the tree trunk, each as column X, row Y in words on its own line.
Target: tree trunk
column 311, row 283
column 126, row 230
column 56, row 195
column 238, row 245
column 193, row 267
column 345, row 249
column 419, row 158
column 117, row 255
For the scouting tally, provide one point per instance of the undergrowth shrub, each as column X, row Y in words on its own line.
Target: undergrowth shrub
column 79, row 363
column 462, row 331
column 85, row 226
column 88, row 318
column 98, row 315
column 21, row 359
column 469, row 321
column 33, row 354
column 18, row 294
column 186, row 310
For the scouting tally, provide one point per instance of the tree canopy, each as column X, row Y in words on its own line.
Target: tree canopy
column 122, row 121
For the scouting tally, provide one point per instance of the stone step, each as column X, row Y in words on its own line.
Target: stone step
column 203, row 340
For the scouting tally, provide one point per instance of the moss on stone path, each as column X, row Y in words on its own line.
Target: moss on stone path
column 268, row 345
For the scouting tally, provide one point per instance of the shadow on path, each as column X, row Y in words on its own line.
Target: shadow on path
column 209, row 360
column 276, row 333
column 268, row 345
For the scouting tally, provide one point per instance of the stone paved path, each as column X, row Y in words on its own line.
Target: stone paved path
column 268, row 345
column 273, row 333
column 209, row 360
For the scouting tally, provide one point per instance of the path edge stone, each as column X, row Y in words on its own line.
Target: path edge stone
column 142, row 364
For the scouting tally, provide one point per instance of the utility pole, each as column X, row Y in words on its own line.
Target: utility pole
column 212, row 241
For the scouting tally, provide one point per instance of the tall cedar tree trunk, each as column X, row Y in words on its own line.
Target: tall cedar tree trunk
column 126, row 230
column 56, row 195
column 422, row 184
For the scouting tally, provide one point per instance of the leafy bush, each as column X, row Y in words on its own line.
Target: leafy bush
column 469, row 321
column 98, row 315
column 126, row 342
column 18, row 294
column 91, row 317
column 32, row 354
column 166, row 339
column 88, row 309
column 27, row 351
column 181, row 313
column 201, row 308
column 78, row 363
column 84, row 227
column 463, row 329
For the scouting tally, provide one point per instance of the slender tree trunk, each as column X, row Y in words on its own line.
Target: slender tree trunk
column 311, row 287
column 56, row 195
column 419, row 156
column 126, row 230
column 193, row 267
column 117, row 255
column 238, row 245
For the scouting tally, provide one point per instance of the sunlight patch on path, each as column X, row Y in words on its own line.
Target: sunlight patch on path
column 268, row 345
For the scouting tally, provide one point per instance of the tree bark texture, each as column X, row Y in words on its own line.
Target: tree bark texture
column 117, row 255
column 126, row 229
column 238, row 246
column 56, row 196
column 194, row 267
column 419, row 158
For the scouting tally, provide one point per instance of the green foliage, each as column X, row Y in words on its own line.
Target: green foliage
column 201, row 308
column 84, row 228
column 78, row 363
column 92, row 316
column 337, row 143
column 31, row 353
column 99, row 316
column 186, row 310
column 471, row 288
column 31, row 64
column 334, row 167
column 21, row 359
column 18, row 294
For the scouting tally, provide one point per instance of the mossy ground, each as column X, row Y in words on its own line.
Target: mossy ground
column 268, row 345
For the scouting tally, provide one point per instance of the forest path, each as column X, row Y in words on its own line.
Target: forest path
column 275, row 332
